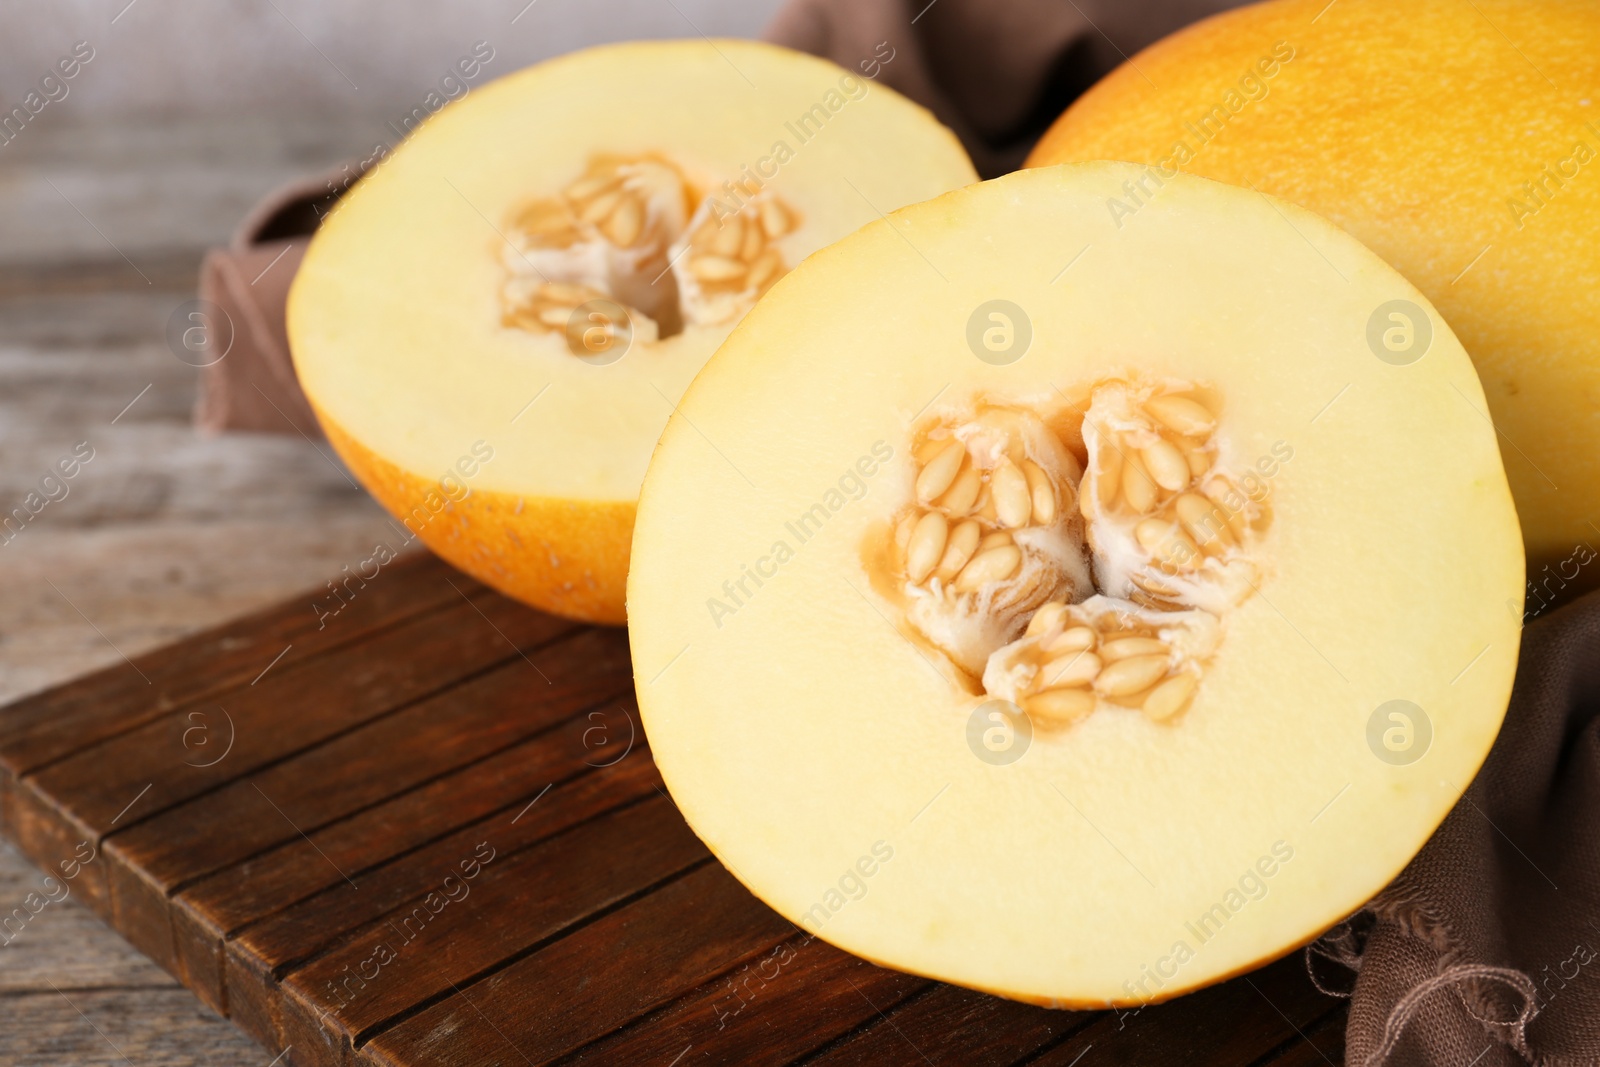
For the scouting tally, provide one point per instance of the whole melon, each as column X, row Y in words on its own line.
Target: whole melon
column 1458, row 139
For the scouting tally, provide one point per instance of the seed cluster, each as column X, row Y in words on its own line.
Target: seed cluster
column 733, row 252
column 547, row 305
column 615, row 198
column 1078, row 659
column 637, row 231
column 960, row 532
column 1139, row 467
column 1167, row 526
column 992, row 532
column 1170, row 537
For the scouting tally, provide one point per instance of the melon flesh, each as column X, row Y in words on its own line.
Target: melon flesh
column 1460, row 142
column 819, row 735
column 485, row 433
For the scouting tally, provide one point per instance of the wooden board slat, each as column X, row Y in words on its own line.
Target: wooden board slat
column 59, row 721
column 1237, row 1022
column 147, row 770
column 954, row 1025
column 438, row 837
column 798, row 978
column 40, row 729
column 288, row 904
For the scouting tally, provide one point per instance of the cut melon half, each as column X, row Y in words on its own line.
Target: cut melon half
column 1094, row 613
column 495, row 323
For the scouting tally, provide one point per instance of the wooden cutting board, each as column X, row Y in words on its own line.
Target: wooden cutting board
column 415, row 823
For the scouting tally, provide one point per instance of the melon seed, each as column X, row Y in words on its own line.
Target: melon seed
column 1012, row 501
column 624, row 226
column 714, row 268
column 1126, row 647
column 940, row 471
column 1072, row 639
column 1170, row 697
column 1108, row 477
column 1137, row 485
column 1202, row 520
column 775, row 219
column 753, row 244
column 995, row 565
column 1063, row 705
column 963, row 492
column 1166, row 465
column 1047, row 618
column 926, row 545
column 995, row 540
column 1130, row 675
column 592, row 185
column 1167, row 542
column 929, row 448
column 728, row 237
column 960, row 547
column 1071, row 669
column 601, row 206
column 1181, row 414
column 1040, row 492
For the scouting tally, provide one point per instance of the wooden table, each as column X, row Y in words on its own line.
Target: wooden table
column 428, row 832
column 163, row 534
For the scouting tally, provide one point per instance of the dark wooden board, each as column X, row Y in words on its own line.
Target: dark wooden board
column 427, row 830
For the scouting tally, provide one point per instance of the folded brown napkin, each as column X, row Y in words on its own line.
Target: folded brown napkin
column 1485, row 951
column 247, row 379
column 997, row 73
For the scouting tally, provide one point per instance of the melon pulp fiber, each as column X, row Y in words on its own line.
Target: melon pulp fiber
column 831, row 751
column 1461, row 142
column 432, row 322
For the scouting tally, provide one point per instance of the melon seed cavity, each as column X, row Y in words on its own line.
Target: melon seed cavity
column 640, row 232
column 1075, row 564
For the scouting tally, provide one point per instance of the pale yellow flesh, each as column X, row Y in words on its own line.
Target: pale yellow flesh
column 395, row 316
column 801, row 729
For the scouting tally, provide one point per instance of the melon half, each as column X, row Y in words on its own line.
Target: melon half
column 1458, row 139
column 1094, row 613
column 495, row 323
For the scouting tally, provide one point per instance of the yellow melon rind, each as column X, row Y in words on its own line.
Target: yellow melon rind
column 508, row 542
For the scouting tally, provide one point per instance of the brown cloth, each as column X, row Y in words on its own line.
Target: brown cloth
column 997, row 73
column 1485, row 951
column 247, row 380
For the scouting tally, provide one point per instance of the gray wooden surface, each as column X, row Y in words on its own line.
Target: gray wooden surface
column 104, row 213
column 163, row 532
